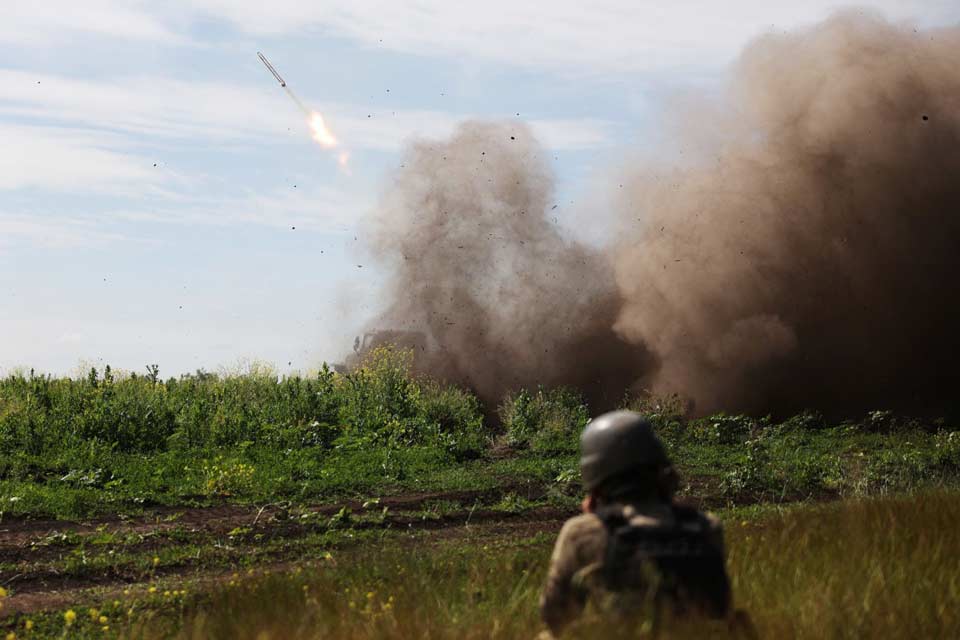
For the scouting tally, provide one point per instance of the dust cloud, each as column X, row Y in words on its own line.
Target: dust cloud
column 478, row 266
column 796, row 244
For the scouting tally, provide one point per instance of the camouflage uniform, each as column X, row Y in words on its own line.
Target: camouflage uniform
column 573, row 577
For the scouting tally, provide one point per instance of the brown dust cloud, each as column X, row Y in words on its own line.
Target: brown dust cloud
column 796, row 246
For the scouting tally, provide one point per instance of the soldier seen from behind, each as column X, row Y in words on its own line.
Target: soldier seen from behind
column 647, row 564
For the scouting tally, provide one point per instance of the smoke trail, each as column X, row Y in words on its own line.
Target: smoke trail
column 803, row 253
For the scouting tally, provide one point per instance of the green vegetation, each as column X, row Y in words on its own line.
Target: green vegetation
column 73, row 448
column 108, row 444
column 380, row 504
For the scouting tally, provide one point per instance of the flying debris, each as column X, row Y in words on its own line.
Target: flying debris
column 263, row 59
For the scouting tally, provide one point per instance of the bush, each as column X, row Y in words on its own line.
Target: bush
column 753, row 476
column 548, row 421
column 723, row 429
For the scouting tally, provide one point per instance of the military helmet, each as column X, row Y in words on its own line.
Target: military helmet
column 617, row 442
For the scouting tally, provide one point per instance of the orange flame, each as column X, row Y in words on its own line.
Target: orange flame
column 320, row 132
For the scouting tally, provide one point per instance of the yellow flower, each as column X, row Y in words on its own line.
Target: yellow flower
column 105, row 628
column 156, row 560
column 28, row 625
column 3, row 592
column 152, row 590
column 70, row 617
column 102, row 620
column 93, row 614
column 11, row 636
column 369, row 595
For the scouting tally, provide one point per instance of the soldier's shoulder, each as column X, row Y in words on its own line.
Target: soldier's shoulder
column 582, row 524
column 581, row 528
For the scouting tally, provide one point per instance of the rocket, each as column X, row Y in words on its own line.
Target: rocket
column 263, row 59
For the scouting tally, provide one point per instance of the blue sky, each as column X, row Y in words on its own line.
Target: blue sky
column 161, row 200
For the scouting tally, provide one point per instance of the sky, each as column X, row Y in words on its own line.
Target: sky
column 162, row 201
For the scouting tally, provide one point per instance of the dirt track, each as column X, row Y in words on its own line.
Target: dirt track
column 42, row 560
column 33, row 553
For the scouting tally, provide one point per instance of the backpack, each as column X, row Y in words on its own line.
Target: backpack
column 677, row 565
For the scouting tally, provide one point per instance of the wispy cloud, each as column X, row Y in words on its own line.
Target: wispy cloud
column 53, row 232
column 569, row 36
column 323, row 209
column 67, row 159
column 38, row 24
column 566, row 36
column 164, row 107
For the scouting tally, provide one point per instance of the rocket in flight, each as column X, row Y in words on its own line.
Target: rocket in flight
column 263, row 59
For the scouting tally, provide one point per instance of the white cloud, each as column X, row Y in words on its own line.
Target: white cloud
column 569, row 36
column 52, row 232
column 606, row 36
column 323, row 209
column 34, row 23
column 66, row 159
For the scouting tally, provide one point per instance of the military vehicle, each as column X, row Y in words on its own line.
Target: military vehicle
column 371, row 340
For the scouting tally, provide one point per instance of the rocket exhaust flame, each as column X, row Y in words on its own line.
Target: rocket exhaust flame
column 321, row 133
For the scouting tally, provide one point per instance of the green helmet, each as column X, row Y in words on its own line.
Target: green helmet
column 617, row 442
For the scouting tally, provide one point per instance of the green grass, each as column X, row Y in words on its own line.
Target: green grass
column 122, row 445
column 877, row 568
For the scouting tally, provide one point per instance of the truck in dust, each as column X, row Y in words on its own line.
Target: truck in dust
column 371, row 340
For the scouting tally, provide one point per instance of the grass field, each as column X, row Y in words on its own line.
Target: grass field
column 381, row 505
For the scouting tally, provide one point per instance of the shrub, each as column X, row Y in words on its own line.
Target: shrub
column 753, row 475
column 548, row 421
column 227, row 477
column 723, row 429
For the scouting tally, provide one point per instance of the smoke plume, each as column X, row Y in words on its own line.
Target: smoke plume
column 479, row 267
column 798, row 249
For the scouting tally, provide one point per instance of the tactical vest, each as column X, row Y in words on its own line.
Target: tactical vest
column 671, row 569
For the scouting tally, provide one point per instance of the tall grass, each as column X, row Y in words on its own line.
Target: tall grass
column 886, row 568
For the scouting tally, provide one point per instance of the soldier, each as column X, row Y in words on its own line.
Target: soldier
column 643, row 560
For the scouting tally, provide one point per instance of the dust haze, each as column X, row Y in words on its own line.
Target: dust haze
column 796, row 246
